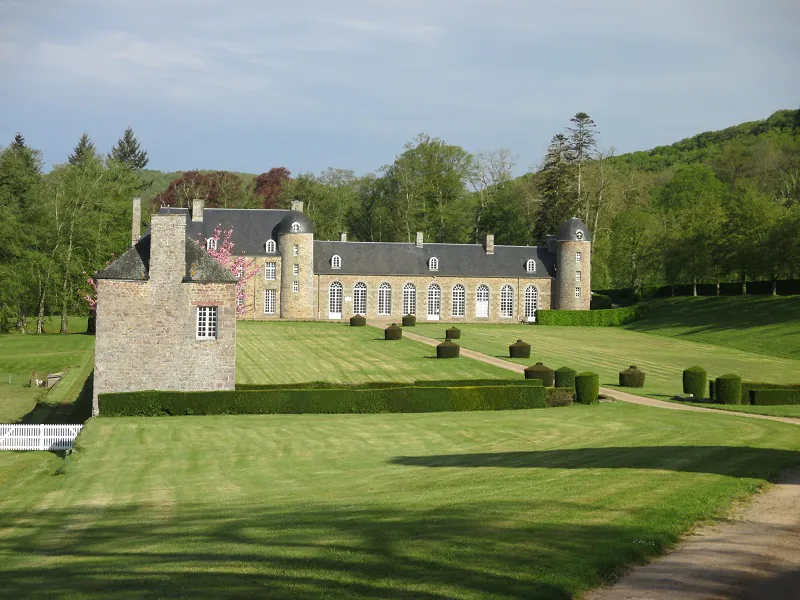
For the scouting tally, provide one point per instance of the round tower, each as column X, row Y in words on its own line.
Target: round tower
column 295, row 235
column 573, row 266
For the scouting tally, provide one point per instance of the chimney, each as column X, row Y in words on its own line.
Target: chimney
column 136, row 221
column 197, row 210
column 488, row 243
column 343, row 236
column 419, row 239
column 297, row 205
column 168, row 248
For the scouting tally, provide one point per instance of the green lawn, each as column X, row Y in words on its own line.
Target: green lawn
column 511, row 504
column 297, row 352
column 784, row 410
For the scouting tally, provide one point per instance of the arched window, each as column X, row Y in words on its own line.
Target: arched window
column 336, row 262
column 459, row 300
column 433, row 264
column 270, row 246
column 482, row 301
column 335, row 300
column 579, row 235
column 384, row 299
column 295, row 227
column 409, row 299
column 530, row 266
column 531, row 303
column 507, row 301
column 434, row 302
column 211, row 244
column 360, row 299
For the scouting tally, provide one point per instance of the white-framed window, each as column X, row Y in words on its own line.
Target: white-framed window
column 531, row 303
column 577, row 292
column 295, row 227
column 409, row 299
column 578, row 256
column 269, row 301
column 507, row 301
column 336, row 262
column 239, row 300
column 530, row 266
column 360, row 298
column 459, row 300
column 271, row 248
column 206, row 322
column 269, row 271
column 433, row 264
column 239, row 272
column 296, row 269
column 295, row 286
column 482, row 301
column 211, row 244
column 295, row 250
column 384, row 299
column 579, row 235
column 577, row 275
column 335, row 300
column 434, row 302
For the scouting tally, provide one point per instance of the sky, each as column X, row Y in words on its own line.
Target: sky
column 246, row 85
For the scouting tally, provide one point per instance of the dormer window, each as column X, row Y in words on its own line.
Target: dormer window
column 433, row 264
column 336, row 262
column 530, row 266
column 295, row 227
column 211, row 244
column 579, row 235
column 270, row 246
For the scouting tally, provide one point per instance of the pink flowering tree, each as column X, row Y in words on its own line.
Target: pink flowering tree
column 221, row 248
column 91, row 300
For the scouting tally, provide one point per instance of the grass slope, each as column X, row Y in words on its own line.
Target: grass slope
column 515, row 504
column 296, row 352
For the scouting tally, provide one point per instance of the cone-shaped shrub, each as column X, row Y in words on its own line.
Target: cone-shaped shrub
column 448, row 349
column 565, row 377
column 393, row 332
column 519, row 349
column 358, row 321
column 587, row 387
column 694, row 382
column 409, row 320
column 728, row 389
column 454, row 333
column 539, row 371
column 631, row 377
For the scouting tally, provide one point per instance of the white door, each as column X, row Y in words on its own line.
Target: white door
column 434, row 302
column 482, row 301
column 335, row 301
column 531, row 303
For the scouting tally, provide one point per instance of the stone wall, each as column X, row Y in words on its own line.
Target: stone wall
column 255, row 302
column 566, row 280
column 300, row 304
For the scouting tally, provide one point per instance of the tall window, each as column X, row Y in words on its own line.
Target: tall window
column 531, row 302
column 577, row 292
column 295, row 227
column 530, row 266
column 385, row 299
column 296, row 270
column 270, row 246
column 459, row 300
column 269, row 271
column 507, row 301
column 295, row 286
column 239, row 272
column 336, row 262
column 269, row 302
column 434, row 301
column 211, row 244
column 335, row 300
column 239, row 300
column 409, row 299
column 433, row 264
column 578, row 256
column 577, row 275
column 295, row 250
column 360, row 299
column 482, row 301
column 206, row 322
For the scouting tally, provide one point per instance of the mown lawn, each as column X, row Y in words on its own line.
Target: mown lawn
column 786, row 410
column 517, row 504
column 296, row 352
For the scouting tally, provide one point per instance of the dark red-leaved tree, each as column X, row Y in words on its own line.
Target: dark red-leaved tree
column 217, row 189
column 269, row 186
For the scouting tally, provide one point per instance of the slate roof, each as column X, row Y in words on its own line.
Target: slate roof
column 285, row 226
column 568, row 232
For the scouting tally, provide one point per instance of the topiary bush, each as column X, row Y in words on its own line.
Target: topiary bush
column 519, row 349
column 728, row 389
column 560, row 396
column 631, row 377
column 540, row 371
column 600, row 302
column 358, row 321
column 711, row 392
column 774, row 397
column 453, row 333
column 694, row 382
column 565, row 377
column 587, row 388
column 393, row 332
column 409, row 320
column 448, row 349
column 610, row 317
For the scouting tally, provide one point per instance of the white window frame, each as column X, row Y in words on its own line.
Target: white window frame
column 577, row 275
column 434, row 302
column 531, row 303
column 295, row 286
column 409, row 299
column 384, row 299
column 482, row 290
column 295, row 227
column 530, row 266
column 296, row 250
column 271, row 247
column 336, row 262
column 459, row 300
column 211, row 244
column 506, row 302
column 579, row 235
column 433, row 264
column 577, row 292
column 360, row 299
column 239, row 300
column 239, row 272
column 270, row 271
column 296, row 269
column 335, row 300
column 206, row 323
column 270, row 301
column 578, row 256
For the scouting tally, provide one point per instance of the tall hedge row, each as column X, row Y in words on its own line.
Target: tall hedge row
column 591, row 318
column 774, row 397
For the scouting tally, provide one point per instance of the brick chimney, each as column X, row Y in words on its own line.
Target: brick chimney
column 488, row 243
column 167, row 248
column 419, row 239
column 297, row 205
column 343, row 236
column 136, row 221
column 197, row 210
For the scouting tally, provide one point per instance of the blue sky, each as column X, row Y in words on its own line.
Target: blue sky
column 248, row 85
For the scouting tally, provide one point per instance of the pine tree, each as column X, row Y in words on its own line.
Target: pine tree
column 582, row 145
column 558, row 202
column 128, row 152
column 19, row 142
column 83, row 151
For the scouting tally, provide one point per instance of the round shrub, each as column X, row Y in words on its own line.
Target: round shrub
column 539, row 371
column 694, row 382
column 565, row 377
column 448, row 349
column 728, row 389
column 587, row 387
column 519, row 349
column 453, row 333
column 358, row 321
column 393, row 332
column 409, row 320
column 600, row 302
column 560, row 396
column 631, row 377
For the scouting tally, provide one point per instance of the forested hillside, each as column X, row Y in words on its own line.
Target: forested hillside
column 719, row 206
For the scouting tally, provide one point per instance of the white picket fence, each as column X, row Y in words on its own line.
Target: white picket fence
column 38, row 437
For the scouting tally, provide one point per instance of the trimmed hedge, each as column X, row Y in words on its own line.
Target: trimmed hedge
column 587, row 388
column 631, row 377
column 600, row 302
column 774, row 397
column 694, row 382
column 728, row 389
column 409, row 320
column 560, row 396
column 321, row 385
column 540, row 371
column 393, row 332
column 448, row 349
column 332, row 401
column 519, row 349
column 565, row 377
column 475, row 382
column 591, row 318
column 358, row 321
column 453, row 333
column 749, row 386
column 712, row 393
